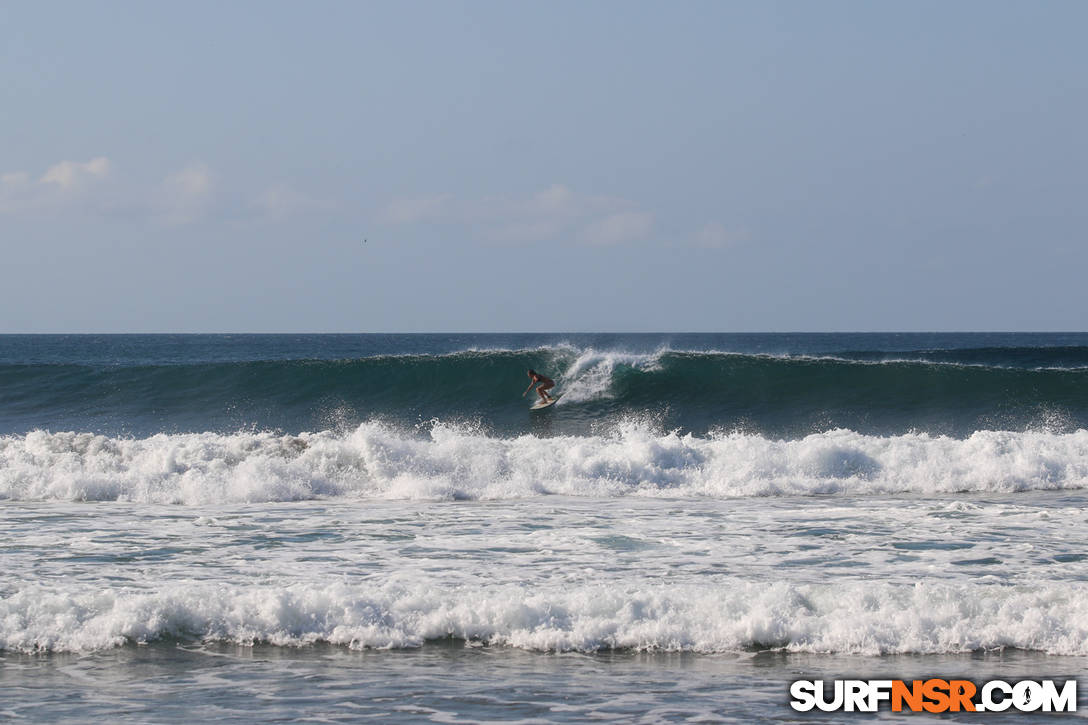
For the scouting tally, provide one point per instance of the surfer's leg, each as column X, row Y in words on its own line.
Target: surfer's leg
column 543, row 391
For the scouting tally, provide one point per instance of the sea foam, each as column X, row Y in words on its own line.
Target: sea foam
column 847, row 617
column 450, row 462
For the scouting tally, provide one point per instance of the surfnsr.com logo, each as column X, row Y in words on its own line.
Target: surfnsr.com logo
column 934, row 695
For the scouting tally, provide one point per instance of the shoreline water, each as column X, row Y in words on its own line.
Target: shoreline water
column 452, row 683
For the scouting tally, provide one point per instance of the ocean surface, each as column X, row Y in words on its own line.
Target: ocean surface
column 346, row 528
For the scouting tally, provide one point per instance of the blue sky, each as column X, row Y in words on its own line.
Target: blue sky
column 561, row 166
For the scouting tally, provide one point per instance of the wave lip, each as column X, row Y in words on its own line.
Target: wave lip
column 856, row 618
column 457, row 462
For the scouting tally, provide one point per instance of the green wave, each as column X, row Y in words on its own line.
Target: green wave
column 694, row 391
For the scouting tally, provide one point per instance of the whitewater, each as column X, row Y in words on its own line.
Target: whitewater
column 448, row 463
column 908, row 575
column 247, row 528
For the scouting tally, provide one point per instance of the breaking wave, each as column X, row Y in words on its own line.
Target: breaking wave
column 451, row 462
column 952, row 392
column 846, row 617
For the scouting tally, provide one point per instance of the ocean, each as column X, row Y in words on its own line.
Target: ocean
column 347, row 528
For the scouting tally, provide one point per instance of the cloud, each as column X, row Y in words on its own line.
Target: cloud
column 549, row 214
column 67, row 174
column 525, row 232
column 556, row 198
column 618, row 228
column 282, row 200
column 63, row 185
column 557, row 201
column 185, row 195
column 15, row 179
column 714, row 235
column 408, row 211
column 194, row 181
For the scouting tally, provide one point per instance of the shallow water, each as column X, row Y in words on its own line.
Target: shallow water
column 454, row 683
column 869, row 575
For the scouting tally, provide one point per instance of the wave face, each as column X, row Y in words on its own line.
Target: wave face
column 945, row 391
column 460, row 463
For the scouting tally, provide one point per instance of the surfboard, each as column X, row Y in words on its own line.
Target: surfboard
column 542, row 404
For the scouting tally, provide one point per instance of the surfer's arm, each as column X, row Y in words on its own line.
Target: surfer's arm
column 529, row 388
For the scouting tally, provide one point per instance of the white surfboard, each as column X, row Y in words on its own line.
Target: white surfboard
column 542, row 404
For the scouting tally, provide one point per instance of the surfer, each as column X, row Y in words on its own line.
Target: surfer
column 546, row 384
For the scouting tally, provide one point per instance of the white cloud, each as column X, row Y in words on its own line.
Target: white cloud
column 714, row 235
column 407, row 211
column 15, row 179
column 551, row 213
column 194, row 181
column 14, row 196
column 282, row 200
column 618, row 228
column 555, row 203
column 62, row 185
column 69, row 173
column 556, row 198
column 537, row 230
column 186, row 193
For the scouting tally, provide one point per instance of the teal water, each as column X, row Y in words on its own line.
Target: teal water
column 775, row 385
